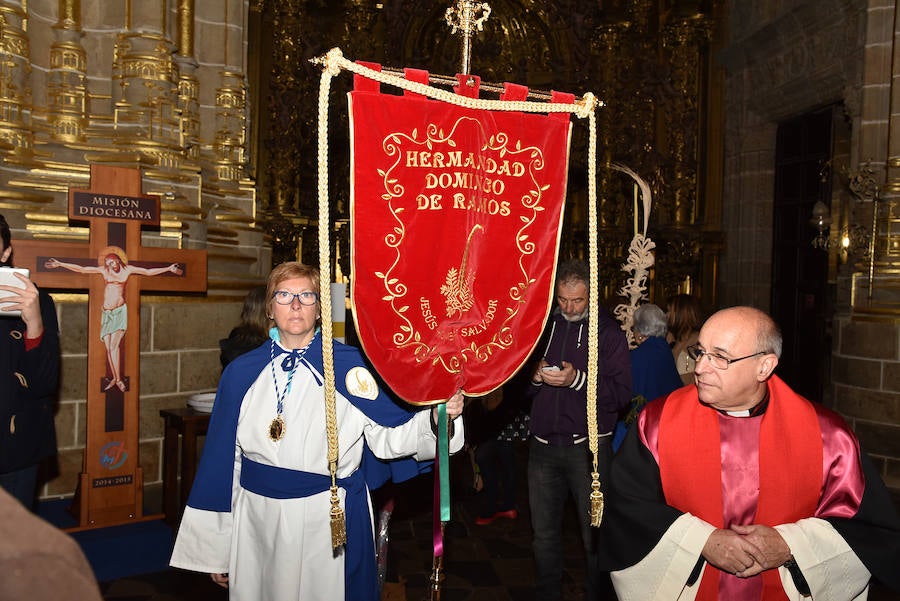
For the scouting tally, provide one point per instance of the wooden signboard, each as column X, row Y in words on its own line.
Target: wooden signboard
column 114, row 268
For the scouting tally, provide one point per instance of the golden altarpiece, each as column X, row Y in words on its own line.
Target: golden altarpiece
column 224, row 130
column 214, row 102
column 127, row 89
column 650, row 63
column 123, row 84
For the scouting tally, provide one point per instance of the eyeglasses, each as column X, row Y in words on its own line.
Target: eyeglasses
column 306, row 298
column 718, row 361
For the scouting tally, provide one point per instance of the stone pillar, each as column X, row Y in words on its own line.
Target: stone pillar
column 889, row 232
column 892, row 185
column 147, row 16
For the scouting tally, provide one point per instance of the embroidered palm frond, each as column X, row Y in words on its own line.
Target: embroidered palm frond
column 451, row 283
column 457, row 289
column 640, row 257
column 644, row 187
column 457, row 293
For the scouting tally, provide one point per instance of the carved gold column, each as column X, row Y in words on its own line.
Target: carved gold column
column 230, row 141
column 683, row 39
column 282, row 171
column 231, row 128
column 15, row 85
column 361, row 16
column 188, row 102
column 642, row 84
column 642, row 61
column 145, row 88
column 607, row 43
column 67, row 97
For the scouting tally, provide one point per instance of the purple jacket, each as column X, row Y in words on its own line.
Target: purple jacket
column 559, row 415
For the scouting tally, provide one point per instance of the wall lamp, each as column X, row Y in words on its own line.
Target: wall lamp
column 821, row 221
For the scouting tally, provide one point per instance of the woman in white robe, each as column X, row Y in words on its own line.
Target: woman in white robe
column 258, row 516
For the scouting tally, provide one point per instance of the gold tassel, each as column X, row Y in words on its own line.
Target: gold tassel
column 596, row 501
column 338, row 527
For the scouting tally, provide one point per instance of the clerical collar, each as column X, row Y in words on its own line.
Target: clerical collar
column 757, row 409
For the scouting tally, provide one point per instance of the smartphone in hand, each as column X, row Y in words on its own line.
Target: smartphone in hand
column 7, row 278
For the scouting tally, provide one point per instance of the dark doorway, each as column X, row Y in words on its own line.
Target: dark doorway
column 800, row 271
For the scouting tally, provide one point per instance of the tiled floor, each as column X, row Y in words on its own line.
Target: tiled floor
column 482, row 563
column 492, row 562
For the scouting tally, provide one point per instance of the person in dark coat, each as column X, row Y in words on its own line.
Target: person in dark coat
column 497, row 423
column 653, row 371
column 559, row 457
column 29, row 362
column 251, row 332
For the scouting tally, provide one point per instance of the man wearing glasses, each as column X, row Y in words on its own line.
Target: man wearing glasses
column 738, row 488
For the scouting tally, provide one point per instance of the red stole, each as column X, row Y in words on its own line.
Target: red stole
column 790, row 466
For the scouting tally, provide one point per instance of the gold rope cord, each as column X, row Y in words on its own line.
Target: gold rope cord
column 334, row 59
column 332, row 63
column 593, row 301
column 338, row 527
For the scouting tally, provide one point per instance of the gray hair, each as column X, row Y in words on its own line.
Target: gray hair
column 649, row 320
column 573, row 271
column 769, row 337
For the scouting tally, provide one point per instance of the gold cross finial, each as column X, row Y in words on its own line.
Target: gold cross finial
column 466, row 18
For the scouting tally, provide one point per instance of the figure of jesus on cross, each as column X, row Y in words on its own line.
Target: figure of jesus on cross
column 112, row 265
column 110, row 485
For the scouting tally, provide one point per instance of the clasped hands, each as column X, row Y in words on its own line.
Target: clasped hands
column 746, row 550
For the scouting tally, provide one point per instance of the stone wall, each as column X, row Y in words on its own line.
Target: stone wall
column 158, row 88
column 782, row 60
column 866, row 377
column 785, row 59
column 179, row 357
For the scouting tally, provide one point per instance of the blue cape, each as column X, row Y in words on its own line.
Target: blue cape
column 212, row 486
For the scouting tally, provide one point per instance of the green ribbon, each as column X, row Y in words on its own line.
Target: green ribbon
column 443, row 458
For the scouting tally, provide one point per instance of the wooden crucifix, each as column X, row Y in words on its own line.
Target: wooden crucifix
column 115, row 269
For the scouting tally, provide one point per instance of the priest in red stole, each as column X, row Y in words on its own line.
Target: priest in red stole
column 737, row 488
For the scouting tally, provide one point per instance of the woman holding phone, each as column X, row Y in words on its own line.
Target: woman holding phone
column 29, row 363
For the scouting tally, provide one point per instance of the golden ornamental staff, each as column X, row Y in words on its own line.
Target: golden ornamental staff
column 466, row 18
column 466, row 22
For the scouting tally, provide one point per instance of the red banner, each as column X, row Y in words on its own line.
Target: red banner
column 455, row 221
